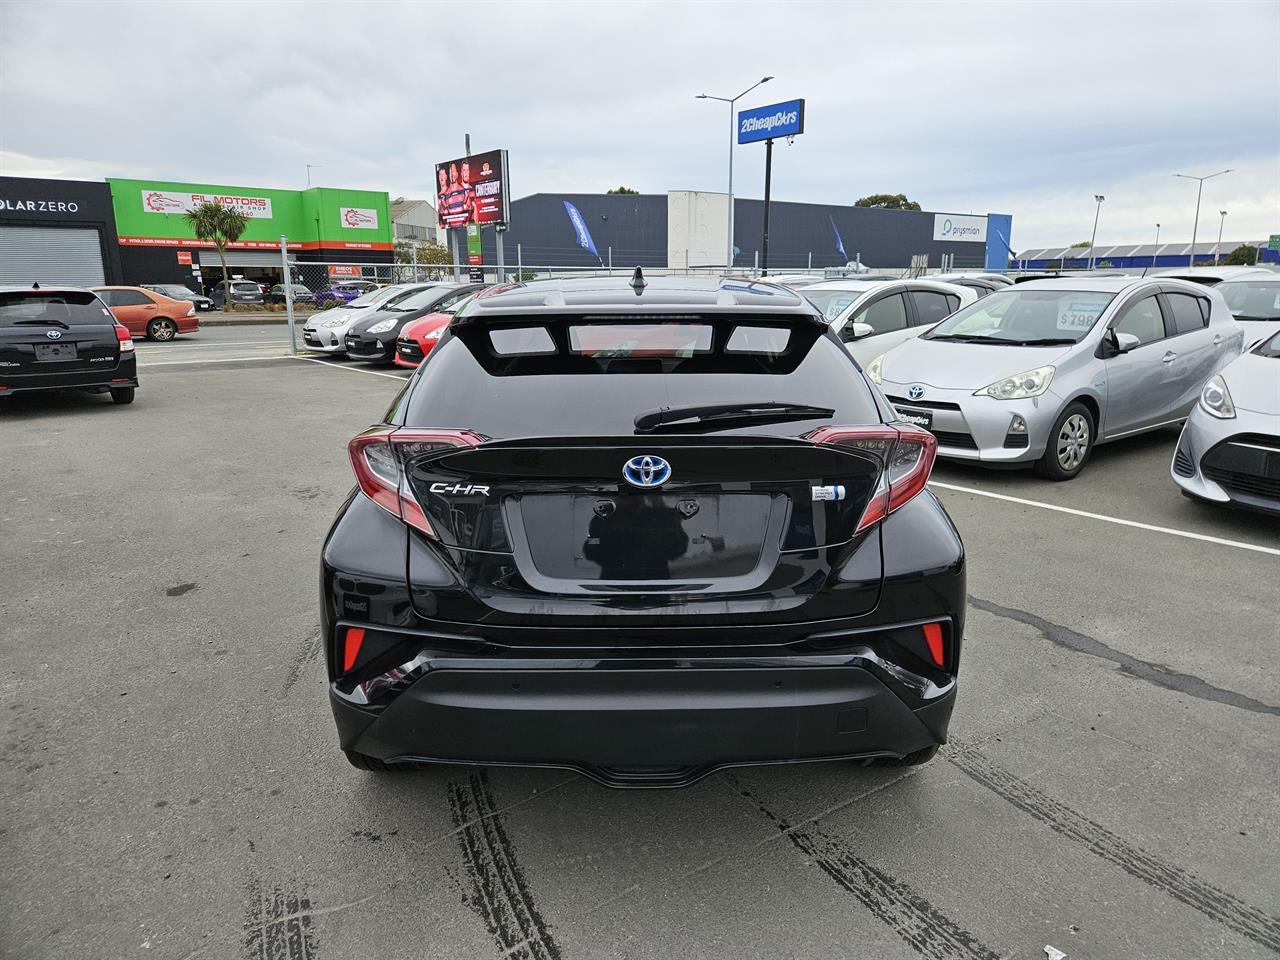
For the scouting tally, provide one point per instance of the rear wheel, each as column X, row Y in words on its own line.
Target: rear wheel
column 363, row 762
column 1070, row 443
column 122, row 394
column 162, row 329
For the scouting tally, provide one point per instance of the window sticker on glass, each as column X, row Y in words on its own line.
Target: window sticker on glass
column 1079, row 314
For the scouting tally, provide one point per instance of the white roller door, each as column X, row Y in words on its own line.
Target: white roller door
column 51, row 256
column 240, row 258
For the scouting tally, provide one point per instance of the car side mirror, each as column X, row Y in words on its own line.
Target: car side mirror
column 856, row 331
column 1125, row 342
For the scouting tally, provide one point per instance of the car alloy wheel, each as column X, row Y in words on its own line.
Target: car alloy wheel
column 162, row 329
column 1073, row 442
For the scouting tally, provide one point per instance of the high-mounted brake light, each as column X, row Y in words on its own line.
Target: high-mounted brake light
column 125, row 338
column 377, row 457
column 907, row 453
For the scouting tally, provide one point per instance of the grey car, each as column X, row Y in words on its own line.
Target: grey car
column 1040, row 373
column 1229, row 451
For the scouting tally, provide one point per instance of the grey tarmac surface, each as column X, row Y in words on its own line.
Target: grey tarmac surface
column 172, row 787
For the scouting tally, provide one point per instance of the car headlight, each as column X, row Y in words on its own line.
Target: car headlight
column 1019, row 386
column 337, row 321
column 382, row 326
column 1215, row 398
column 873, row 368
column 435, row 334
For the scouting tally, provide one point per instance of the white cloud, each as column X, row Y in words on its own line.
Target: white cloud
column 1022, row 108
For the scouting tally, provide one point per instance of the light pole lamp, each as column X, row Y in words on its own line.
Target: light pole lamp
column 1191, row 260
column 733, row 128
column 1217, row 247
column 1098, row 197
column 1156, row 252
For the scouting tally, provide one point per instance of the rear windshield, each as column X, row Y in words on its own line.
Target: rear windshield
column 1252, row 299
column 531, row 381
column 246, row 287
column 68, row 308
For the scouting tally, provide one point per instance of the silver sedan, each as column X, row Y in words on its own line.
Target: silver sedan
column 1041, row 372
column 1229, row 451
column 326, row 331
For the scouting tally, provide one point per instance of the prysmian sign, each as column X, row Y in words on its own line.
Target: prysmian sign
column 951, row 226
column 775, row 120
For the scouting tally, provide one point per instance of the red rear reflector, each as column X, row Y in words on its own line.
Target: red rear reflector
column 932, row 636
column 351, row 647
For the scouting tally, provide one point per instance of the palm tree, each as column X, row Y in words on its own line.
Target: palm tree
column 221, row 226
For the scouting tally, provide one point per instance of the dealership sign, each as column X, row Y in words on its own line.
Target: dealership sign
column 775, row 120
column 950, row 226
column 38, row 206
column 358, row 218
column 163, row 201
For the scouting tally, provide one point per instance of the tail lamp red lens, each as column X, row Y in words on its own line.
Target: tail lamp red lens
column 907, row 454
column 933, row 638
column 352, row 641
column 125, row 338
column 378, row 457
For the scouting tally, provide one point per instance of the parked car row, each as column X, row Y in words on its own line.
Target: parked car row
column 1042, row 372
column 371, row 327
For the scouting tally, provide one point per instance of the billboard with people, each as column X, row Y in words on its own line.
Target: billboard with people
column 473, row 190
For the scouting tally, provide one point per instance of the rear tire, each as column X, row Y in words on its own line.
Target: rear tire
column 1070, row 444
column 162, row 330
column 122, row 394
column 363, row 762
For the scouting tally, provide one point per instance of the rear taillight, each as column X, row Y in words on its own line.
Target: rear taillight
column 125, row 338
column 378, row 456
column 352, row 641
column 907, row 454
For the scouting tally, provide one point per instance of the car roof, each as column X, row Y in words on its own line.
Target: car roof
column 650, row 296
column 15, row 288
column 1191, row 273
column 1095, row 284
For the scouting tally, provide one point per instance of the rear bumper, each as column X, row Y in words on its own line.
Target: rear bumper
column 646, row 724
column 124, row 375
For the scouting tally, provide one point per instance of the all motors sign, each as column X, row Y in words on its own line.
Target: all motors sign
column 164, row 201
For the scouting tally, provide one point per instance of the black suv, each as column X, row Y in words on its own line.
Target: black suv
column 58, row 339
column 641, row 530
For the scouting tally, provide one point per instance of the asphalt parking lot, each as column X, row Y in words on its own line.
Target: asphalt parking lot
column 172, row 785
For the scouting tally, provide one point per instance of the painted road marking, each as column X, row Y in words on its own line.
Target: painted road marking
column 341, row 366
column 1272, row 551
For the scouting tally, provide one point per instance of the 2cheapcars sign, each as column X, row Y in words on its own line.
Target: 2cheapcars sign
column 473, row 190
column 774, row 120
column 163, row 201
column 950, row 226
column 358, row 218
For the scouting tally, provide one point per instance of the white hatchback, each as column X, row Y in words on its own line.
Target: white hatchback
column 871, row 316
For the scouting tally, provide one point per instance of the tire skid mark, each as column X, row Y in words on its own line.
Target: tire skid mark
column 310, row 650
column 921, row 926
column 277, row 924
column 499, row 892
column 1168, row 878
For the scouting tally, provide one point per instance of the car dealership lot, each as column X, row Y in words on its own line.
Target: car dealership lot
column 172, row 784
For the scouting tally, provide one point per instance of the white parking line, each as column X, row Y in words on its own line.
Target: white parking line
column 340, row 366
column 1099, row 516
column 196, row 363
column 160, row 348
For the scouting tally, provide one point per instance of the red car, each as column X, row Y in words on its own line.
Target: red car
column 419, row 336
column 149, row 314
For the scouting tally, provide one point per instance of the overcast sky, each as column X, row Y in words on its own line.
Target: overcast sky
column 1024, row 108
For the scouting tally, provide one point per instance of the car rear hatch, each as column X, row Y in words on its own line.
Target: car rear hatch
column 52, row 333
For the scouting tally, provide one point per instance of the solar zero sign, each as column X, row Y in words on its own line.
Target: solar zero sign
column 775, row 120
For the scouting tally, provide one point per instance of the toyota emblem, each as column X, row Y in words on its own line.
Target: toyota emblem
column 53, row 334
column 646, row 470
column 915, row 392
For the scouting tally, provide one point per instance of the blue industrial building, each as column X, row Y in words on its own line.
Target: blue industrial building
column 1129, row 256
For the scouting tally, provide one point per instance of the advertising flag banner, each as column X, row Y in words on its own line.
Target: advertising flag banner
column 580, row 228
column 839, row 242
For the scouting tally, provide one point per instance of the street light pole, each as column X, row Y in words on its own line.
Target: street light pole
column 310, row 167
column 1097, row 213
column 1217, row 247
column 1191, row 260
column 1156, row 252
column 733, row 129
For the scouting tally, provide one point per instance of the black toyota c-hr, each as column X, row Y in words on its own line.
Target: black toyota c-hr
column 642, row 530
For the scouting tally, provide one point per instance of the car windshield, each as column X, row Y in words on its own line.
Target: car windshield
column 417, row 299
column 372, row 297
column 1269, row 348
column 832, row 303
column 53, row 309
column 1023, row 316
column 1252, row 299
column 175, row 291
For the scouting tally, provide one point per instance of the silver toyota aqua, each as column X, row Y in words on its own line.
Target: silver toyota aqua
column 1040, row 373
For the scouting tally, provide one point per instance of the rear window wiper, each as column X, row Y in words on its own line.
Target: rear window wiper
column 721, row 415
column 44, row 322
